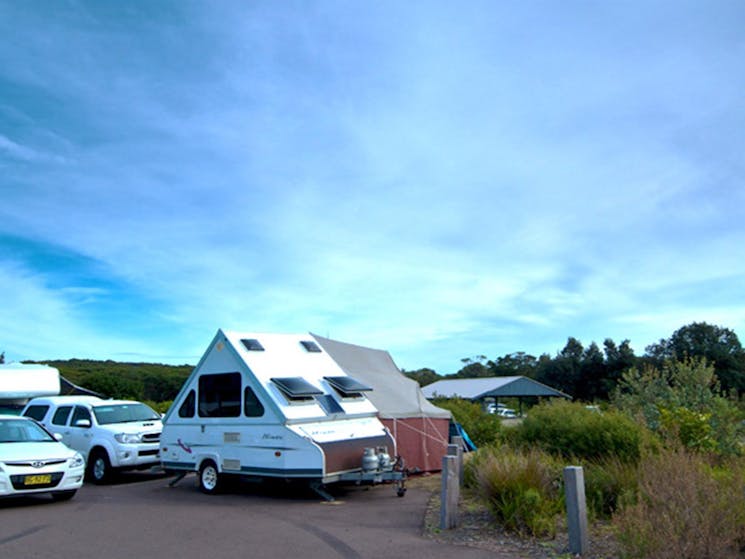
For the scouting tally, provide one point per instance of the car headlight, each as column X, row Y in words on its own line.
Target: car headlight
column 77, row 460
column 129, row 438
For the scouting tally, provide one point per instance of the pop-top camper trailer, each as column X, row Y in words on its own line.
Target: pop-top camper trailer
column 275, row 406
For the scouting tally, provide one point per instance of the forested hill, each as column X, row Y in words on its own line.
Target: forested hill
column 152, row 382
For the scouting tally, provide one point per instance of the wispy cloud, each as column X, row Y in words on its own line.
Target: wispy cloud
column 440, row 181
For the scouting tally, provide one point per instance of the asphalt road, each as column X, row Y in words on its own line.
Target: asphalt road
column 141, row 517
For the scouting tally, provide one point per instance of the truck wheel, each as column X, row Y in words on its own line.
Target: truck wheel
column 209, row 478
column 99, row 467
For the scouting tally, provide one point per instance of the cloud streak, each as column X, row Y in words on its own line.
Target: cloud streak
column 440, row 183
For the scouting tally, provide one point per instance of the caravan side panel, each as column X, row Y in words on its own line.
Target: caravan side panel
column 346, row 456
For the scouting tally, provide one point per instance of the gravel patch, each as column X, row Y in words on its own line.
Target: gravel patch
column 478, row 529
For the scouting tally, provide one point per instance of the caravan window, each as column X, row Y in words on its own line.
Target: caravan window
column 220, row 395
column 251, row 405
column 187, row 408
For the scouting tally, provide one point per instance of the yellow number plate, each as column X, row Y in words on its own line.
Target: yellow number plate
column 37, row 480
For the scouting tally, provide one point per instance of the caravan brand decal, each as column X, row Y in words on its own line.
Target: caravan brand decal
column 183, row 445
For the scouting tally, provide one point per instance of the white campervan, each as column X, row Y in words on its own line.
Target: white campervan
column 274, row 405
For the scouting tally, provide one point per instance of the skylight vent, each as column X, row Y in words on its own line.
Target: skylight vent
column 311, row 347
column 296, row 389
column 252, row 345
column 347, row 387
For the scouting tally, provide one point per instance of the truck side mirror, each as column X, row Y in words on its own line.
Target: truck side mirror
column 84, row 423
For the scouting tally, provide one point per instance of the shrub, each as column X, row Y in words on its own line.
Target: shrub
column 483, row 428
column 160, row 407
column 609, row 483
column 571, row 430
column 521, row 487
column 683, row 403
column 686, row 509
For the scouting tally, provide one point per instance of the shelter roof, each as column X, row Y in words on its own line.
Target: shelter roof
column 496, row 387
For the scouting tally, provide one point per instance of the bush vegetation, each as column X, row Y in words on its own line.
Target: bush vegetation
column 687, row 509
column 150, row 382
column 683, row 403
column 483, row 428
column 571, row 430
column 664, row 463
column 521, row 487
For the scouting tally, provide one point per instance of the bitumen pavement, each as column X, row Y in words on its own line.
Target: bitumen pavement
column 140, row 516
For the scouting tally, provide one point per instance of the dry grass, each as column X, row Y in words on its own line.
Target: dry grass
column 686, row 510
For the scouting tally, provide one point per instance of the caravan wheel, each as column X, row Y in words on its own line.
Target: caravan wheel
column 209, row 478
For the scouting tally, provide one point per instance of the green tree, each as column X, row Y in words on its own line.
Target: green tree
column 592, row 374
column 618, row 359
column 716, row 344
column 474, row 367
column 423, row 376
column 564, row 371
column 683, row 401
column 514, row 364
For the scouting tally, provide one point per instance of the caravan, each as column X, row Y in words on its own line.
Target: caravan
column 275, row 406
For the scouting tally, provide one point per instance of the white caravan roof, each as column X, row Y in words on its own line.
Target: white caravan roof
column 285, row 356
column 18, row 380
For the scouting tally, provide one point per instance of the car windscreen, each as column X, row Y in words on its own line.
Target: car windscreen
column 23, row 431
column 123, row 413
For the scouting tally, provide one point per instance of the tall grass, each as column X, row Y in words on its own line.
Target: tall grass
column 687, row 509
column 522, row 488
column 609, row 484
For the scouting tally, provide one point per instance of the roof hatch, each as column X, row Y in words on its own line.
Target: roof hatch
column 348, row 387
column 296, row 388
column 310, row 347
column 252, row 345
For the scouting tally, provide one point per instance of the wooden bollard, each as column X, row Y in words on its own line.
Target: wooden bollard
column 456, row 449
column 574, row 488
column 450, row 494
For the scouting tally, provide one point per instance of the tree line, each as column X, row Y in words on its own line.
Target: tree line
column 585, row 373
column 591, row 373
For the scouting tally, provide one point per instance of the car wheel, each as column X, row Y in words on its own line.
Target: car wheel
column 209, row 478
column 99, row 467
column 64, row 495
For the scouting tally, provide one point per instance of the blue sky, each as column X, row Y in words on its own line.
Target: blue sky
column 440, row 180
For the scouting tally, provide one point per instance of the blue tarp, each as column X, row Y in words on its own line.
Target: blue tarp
column 456, row 430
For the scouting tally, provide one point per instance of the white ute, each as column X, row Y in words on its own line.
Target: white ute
column 111, row 434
